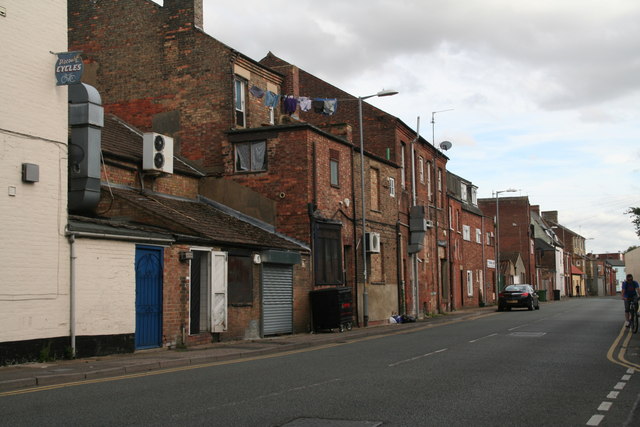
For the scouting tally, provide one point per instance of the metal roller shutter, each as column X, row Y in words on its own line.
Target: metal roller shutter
column 277, row 299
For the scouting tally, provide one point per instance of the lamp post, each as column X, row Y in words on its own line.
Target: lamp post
column 509, row 190
column 365, row 295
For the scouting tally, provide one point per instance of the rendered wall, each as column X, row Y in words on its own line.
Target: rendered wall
column 105, row 287
column 34, row 253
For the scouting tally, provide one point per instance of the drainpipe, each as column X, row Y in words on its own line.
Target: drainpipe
column 414, row 256
column 72, row 294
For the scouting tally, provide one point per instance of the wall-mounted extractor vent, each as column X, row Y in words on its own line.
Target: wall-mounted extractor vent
column 157, row 152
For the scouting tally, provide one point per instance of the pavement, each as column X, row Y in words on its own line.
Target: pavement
column 15, row 378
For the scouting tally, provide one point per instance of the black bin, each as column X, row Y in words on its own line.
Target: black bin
column 556, row 294
column 332, row 308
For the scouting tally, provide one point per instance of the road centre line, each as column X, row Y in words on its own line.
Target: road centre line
column 481, row 338
column 595, row 420
column 626, row 377
column 619, row 386
column 605, row 406
column 613, row 395
column 518, row 327
column 416, row 358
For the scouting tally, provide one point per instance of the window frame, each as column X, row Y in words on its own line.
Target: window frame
column 240, row 101
column 252, row 167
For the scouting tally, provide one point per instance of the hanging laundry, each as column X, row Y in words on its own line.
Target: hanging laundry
column 271, row 99
column 290, row 105
column 304, row 103
column 318, row 105
column 256, row 91
column 329, row 106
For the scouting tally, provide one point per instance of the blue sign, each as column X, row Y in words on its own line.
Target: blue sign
column 69, row 68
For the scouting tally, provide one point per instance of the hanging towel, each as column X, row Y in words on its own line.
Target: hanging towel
column 256, row 91
column 329, row 106
column 271, row 99
column 304, row 103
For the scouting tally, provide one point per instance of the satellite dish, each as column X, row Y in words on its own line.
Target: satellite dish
column 445, row 145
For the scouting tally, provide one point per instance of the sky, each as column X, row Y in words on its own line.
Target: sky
column 542, row 96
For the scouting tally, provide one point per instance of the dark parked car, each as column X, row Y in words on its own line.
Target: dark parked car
column 518, row 296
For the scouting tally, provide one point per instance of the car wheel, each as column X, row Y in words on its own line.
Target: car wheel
column 530, row 304
column 500, row 308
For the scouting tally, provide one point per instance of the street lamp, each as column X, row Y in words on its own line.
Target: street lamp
column 365, row 295
column 497, row 245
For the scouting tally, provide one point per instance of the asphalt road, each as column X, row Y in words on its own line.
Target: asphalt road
column 552, row 367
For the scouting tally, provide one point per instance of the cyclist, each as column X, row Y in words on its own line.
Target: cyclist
column 629, row 292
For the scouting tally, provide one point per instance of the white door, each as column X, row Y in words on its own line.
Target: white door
column 218, row 291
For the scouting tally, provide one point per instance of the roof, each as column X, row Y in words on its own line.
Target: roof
column 576, row 270
column 123, row 141
column 201, row 219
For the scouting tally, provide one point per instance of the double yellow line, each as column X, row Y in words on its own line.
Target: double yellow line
column 621, row 344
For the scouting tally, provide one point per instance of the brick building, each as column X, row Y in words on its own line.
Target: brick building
column 471, row 244
column 514, row 230
column 423, row 283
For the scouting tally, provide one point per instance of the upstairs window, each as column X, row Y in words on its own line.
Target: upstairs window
column 251, row 156
column 402, row 166
column 240, row 88
column 421, row 169
column 463, row 191
column 334, row 168
column 466, row 233
column 392, row 187
column 478, row 236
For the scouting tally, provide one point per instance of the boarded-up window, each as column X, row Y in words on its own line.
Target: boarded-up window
column 328, row 254
column 240, row 283
column 375, row 190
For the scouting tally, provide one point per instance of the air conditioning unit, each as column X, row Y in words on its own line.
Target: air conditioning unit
column 428, row 223
column 157, row 152
column 373, row 242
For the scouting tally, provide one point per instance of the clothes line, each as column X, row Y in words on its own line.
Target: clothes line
column 290, row 103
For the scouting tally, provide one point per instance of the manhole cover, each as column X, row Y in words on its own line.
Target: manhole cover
column 322, row 422
column 527, row 334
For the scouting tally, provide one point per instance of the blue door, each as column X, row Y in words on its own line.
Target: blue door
column 149, row 268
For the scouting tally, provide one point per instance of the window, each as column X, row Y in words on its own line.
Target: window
column 450, row 218
column 251, row 156
column 474, row 196
column 392, row 187
column 466, row 232
column 478, row 236
column 402, row 166
column 429, row 181
column 239, row 101
column 463, row 191
column 334, row 166
column 327, row 254
column 469, row 283
column 374, row 192
column 421, row 169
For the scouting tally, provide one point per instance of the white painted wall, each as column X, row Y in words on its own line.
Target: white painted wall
column 34, row 253
column 105, row 287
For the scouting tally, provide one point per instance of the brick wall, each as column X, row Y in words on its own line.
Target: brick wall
column 149, row 62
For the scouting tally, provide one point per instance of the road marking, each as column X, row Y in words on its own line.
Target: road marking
column 488, row 336
column 605, row 406
column 631, row 371
column 613, row 395
column 619, row 386
column 416, row 358
column 595, row 420
column 518, row 327
column 626, row 377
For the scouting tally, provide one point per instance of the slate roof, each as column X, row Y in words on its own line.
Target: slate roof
column 122, row 141
column 197, row 218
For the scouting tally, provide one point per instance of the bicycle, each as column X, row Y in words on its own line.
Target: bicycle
column 633, row 308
